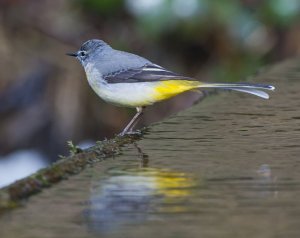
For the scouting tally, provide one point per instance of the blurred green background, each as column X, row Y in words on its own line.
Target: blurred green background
column 44, row 97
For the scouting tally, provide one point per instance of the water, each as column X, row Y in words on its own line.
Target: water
column 227, row 167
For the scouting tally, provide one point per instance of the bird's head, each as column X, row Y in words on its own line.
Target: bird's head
column 89, row 49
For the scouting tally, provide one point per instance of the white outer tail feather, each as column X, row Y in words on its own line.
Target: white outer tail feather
column 255, row 89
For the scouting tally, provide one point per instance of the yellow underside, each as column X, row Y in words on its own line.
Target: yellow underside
column 171, row 88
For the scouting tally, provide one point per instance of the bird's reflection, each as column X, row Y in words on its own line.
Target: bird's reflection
column 143, row 156
column 130, row 196
column 266, row 182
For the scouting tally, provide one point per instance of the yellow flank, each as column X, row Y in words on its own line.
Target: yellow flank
column 170, row 88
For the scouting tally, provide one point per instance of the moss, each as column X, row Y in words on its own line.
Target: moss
column 12, row 195
column 73, row 148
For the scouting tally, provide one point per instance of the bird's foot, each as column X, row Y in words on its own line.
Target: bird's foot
column 131, row 133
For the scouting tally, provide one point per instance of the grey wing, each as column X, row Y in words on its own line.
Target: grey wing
column 146, row 73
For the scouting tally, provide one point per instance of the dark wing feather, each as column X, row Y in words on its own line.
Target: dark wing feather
column 147, row 73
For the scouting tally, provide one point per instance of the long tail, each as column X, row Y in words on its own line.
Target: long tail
column 251, row 88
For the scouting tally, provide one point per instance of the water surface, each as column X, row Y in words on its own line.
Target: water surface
column 227, row 167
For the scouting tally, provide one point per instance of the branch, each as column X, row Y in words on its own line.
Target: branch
column 12, row 195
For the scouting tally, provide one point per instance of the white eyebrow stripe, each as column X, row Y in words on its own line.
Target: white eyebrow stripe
column 155, row 69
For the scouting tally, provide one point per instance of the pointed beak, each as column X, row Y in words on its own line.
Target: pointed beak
column 72, row 54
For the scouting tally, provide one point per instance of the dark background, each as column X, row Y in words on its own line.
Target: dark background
column 45, row 99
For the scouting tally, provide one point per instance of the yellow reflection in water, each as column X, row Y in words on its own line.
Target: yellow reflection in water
column 174, row 187
column 170, row 184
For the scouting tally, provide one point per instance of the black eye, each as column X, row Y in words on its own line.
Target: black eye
column 82, row 53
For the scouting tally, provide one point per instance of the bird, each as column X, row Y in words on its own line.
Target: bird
column 129, row 80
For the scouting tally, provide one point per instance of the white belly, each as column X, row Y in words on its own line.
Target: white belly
column 127, row 94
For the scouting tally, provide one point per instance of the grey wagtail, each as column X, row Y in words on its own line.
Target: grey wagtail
column 130, row 80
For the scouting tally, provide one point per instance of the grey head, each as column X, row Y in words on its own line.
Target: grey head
column 89, row 50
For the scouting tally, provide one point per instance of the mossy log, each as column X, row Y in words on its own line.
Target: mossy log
column 12, row 195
